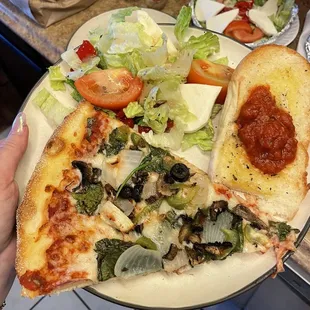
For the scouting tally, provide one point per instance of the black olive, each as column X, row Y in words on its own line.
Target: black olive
column 179, row 172
column 139, row 228
column 140, row 177
column 137, row 191
column 96, row 175
column 168, row 179
column 126, row 192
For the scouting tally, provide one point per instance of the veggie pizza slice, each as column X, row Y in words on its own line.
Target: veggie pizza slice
column 103, row 203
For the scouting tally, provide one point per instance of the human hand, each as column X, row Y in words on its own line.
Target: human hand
column 11, row 151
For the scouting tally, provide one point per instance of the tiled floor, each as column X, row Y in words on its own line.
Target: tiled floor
column 271, row 295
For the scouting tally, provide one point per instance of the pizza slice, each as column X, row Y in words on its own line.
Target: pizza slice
column 103, row 203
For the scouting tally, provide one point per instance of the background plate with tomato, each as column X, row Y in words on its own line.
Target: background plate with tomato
column 264, row 40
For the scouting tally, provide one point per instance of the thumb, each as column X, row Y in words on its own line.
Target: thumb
column 12, row 149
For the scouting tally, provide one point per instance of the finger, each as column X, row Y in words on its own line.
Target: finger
column 13, row 148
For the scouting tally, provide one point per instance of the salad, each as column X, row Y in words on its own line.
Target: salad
column 169, row 92
column 244, row 20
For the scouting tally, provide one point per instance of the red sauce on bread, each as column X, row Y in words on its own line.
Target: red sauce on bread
column 267, row 132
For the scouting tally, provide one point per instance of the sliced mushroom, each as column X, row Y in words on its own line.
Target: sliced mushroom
column 198, row 222
column 185, row 232
column 193, row 238
column 195, row 257
column 111, row 192
column 172, row 253
column 248, row 215
column 216, row 248
column 216, row 208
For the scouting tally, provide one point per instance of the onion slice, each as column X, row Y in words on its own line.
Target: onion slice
column 212, row 230
column 137, row 260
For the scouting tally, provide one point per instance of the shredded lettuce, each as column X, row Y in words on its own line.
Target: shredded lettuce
column 204, row 45
column 95, row 35
column 182, row 24
column 171, row 139
column 283, row 14
column 202, row 138
column 57, row 79
column 157, row 55
column 169, row 90
column 84, row 68
column 155, row 117
column 128, row 36
column 75, row 94
column 221, row 61
column 215, row 110
column 178, row 70
column 133, row 109
column 122, row 14
column 52, row 109
column 132, row 61
column 72, row 59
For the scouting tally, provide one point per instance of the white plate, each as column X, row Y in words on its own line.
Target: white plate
column 102, row 20
column 203, row 285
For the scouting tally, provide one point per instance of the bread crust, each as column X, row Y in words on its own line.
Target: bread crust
column 288, row 75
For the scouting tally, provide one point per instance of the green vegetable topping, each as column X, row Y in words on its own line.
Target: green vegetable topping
column 182, row 197
column 281, row 229
column 117, row 140
column 254, row 236
column 146, row 243
column 109, row 250
column 89, row 199
column 147, row 210
column 138, row 141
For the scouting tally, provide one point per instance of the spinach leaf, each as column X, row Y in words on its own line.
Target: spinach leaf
column 109, row 250
column 89, row 199
column 281, row 229
column 117, row 140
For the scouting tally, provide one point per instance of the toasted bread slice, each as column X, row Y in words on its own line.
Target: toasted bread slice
column 287, row 74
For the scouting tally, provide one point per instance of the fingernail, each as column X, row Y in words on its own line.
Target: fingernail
column 19, row 123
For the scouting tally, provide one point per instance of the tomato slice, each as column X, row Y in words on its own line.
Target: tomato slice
column 237, row 25
column 206, row 72
column 86, row 50
column 145, row 129
column 243, row 32
column 246, row 37
column 111, row 89
column 244, row 5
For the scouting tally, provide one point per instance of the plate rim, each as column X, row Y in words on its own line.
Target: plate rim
column 269, row 272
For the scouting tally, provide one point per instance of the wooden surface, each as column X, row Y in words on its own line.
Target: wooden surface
column 52, row 41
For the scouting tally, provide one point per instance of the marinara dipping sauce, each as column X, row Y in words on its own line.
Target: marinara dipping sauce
column 267, row 132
